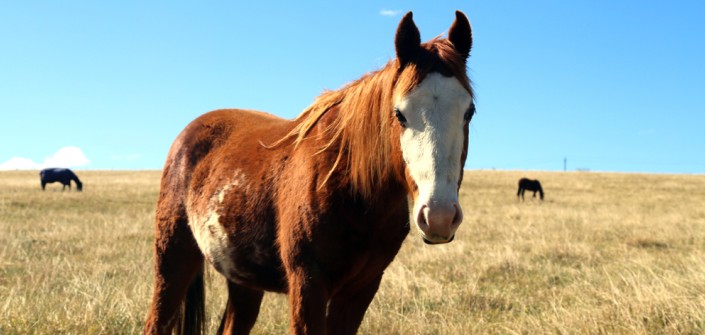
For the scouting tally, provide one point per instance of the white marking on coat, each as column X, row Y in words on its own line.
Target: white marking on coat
column 432, row 141
column 209, row 233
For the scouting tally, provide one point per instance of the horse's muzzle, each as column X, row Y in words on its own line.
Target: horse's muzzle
column 439, row 221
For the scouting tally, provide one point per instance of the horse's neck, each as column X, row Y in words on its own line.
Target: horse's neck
column 335, row 168
column 349, row 133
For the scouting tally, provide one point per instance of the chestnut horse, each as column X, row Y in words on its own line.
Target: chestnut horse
column 316, row 207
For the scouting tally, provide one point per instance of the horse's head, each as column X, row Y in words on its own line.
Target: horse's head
column 433, row 105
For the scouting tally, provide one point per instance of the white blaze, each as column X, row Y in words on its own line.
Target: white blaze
column 432, row 141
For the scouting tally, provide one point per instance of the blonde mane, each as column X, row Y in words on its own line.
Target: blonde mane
column 362, row 130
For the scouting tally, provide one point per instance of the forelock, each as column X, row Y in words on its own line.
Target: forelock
column 436, row 55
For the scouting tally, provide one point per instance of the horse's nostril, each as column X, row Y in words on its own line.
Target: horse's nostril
column 421, row 218
column 458, row 218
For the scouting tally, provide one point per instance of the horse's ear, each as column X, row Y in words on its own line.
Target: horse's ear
column 460, row 34
column 407, row 40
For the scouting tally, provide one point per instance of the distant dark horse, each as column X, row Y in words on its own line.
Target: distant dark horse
column 64, row 176
column 531, row 185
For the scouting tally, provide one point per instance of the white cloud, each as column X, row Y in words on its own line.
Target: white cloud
column 19, row 163
column 64, row 157
column 67, row 157
column 390, row 12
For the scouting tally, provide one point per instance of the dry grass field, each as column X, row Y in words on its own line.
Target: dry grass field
column 603, row 254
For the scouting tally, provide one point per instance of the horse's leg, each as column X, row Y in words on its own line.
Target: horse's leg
column 347, row 309
column 44, row 186
column 307, row 302
column 177, row 262
column 241, row 310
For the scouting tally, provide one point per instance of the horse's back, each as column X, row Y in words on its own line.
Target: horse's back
column 223, row 126
column 56, row 174
column 213, row 136
column 529, row 184
column 217, row 146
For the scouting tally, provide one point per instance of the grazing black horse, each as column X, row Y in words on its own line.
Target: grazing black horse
column 64, row 176
column 531, row 185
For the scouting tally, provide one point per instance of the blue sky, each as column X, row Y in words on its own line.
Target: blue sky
column 609, row 85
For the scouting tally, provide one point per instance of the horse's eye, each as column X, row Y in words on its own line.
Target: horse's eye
column 469, row 113
column 400, row 117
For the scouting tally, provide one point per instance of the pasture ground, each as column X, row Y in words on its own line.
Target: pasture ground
column 604, row 254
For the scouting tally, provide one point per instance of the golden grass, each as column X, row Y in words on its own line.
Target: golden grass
column 604, row 254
